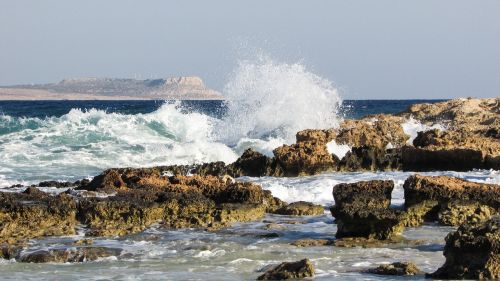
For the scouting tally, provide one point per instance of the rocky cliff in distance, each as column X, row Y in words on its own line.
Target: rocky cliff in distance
column 178, row 88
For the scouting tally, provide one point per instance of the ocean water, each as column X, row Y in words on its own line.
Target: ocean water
column 267, row 103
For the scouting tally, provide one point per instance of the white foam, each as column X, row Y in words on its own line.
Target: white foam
column 340, row 150
column 270, row 99
column 411, row 127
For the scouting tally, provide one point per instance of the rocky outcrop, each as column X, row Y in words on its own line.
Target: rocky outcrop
column 362, row 210
column 450, row 200
column 305, row 158
column 370, row 194
column 377, row 131
column 34, row 213
column 472, row 252
column 368, row 158
column 80, row 254
column 137, row 198
column 254, row 164
column 289, row 270
column 301, row 208
column 396, row 268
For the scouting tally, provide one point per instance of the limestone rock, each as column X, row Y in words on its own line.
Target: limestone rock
column 472, row 252
column 301, row 208
column 34, row 213
column 305, row 158
column 80, row 254
column 289, row 270
column 370, row 194
column 312, row 242
column 450, row 200
column 396, row 268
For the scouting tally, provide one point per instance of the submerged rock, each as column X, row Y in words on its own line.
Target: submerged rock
column 301, row 208
column 450, row 200
column 80, row 254
column 289, row 270
column 472, row 252
column 312, row 242
column 396, row 268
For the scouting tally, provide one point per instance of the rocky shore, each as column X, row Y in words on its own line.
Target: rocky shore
column 124, row 201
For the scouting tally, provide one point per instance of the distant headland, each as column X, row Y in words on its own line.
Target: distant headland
column 175, row 88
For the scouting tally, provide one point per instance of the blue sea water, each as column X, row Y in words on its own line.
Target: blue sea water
column 40, row 109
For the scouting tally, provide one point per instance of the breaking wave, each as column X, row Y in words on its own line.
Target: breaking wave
column 267, row 103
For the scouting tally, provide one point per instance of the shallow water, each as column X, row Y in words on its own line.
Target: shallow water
column 241, row 251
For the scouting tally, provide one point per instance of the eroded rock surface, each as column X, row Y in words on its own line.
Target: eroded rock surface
column 472, row 252
column 301, row 208
column 396, row 268
column 289, row 270
column 450, row 200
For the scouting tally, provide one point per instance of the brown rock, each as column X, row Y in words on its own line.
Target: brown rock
column 305, row 158
column 472, row 252
column 312, row 242
column 397, row 268
column 289, row 270
column 301, row 208
column 370, row 194
column 80, row 254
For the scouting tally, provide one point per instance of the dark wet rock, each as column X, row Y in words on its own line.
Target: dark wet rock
column 449, row 200
column 370, row 194
column 289, row 270
column 34, row 213
column 301, row 208
column 312, row 242
column 80, row 254
column 56, row 184
column 9, row 252
column 362, row 210
column 366, row 158
column 472, row 252
column 147, row 196
column 455, row 159
column 355, row 221
column 396, row 268
column 254, row 164
column 269, row 235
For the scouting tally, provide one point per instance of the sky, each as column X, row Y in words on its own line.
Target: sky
column 384, row 49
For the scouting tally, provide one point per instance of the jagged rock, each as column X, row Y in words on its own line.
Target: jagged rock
column 472, row 252
column 34, row 213
column 254, row 164
column 367, row 158
column 362, row 210
column 450, row 200
column 356, row 221
column 57, row 184
column 305, row 158
column 370, row 194
column 301, row 208
column 289, row 270
column 9, row 251
column 147, row 196
column 377, row 131
column 312, row 242
column 80, row 254
column 319, row 136
column 457, row 213
column 396, row 268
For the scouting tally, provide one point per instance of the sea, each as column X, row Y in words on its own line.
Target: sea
column 266, row 105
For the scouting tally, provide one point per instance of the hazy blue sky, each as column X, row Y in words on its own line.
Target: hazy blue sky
column 370, row 49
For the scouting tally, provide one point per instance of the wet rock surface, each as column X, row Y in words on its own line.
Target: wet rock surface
column 289, row 270
column 472, row 252
column 301, row 208
column 396, row 268
column 34, row 213
column 451, row 201
column 362, row 210
column 80, row 254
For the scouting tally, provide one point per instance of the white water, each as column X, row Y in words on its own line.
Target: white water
column 268, row 103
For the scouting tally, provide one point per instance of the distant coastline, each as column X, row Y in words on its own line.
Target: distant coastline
column 175, row 88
